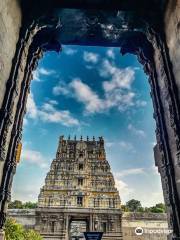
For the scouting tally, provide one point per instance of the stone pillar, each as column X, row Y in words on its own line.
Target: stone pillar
column 67, row 227
column 91, row 223
column 2, row 235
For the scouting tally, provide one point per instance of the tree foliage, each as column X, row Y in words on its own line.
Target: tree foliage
column 15, row 231
column 30, row 205
column 135, row 206
column 16, row 204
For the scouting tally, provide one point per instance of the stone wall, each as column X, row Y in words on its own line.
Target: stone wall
column 172, row 31
column 10, row 23
column 26, row 217
column 148, row 222
column 130, row 221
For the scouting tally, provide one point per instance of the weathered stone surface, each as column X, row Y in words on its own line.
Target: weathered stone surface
column 26, row 217
column 148, row 29
column 79, row 187
column 148, row 221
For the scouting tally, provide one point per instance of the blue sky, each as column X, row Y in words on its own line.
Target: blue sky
column 91, row 91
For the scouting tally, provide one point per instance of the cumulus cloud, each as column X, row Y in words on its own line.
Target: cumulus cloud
column 49, row 113
column 141, row 103
column 39, row 72
column 130, row 171
column 34, row 157
column 61, row 88
column 119, row 78
column 69, row 51
column 29, row 190
column 137, row 132
column 86, row 95
column 139, row 190
column 32, row 110
column 92, row 101
column 123, row 188
column 110, row 53
column 117, row 92
column 126, row 145
column 90, row 57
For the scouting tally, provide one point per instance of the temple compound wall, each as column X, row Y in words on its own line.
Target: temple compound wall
column 148, row 221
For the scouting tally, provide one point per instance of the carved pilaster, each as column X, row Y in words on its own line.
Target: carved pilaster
column 146, row 50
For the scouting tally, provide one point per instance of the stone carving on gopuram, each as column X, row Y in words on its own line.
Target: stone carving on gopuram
column 79, row 193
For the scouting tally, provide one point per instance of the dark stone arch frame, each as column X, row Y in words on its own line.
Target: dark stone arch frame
column 32, row 42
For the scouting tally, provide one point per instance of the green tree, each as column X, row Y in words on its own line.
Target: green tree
column 30, row 205
column 124, row 208
column 15, row 204
column 15, row 231
column 156, row 210
column 140, row 209
column 161, row 205
column 133, row 205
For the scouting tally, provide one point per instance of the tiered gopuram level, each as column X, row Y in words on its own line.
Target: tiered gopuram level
column 79, row 193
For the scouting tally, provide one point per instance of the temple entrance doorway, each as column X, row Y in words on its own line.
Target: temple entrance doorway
column 77, row 227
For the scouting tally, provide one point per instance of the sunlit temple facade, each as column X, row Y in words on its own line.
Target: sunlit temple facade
column 79, row 193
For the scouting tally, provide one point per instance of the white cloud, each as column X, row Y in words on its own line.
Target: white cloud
column 29, row 190
column 32, row 110
column 154, row 170
column 84, row 94
column 110, row 53
column 141, row 103
column 119, row 98
column 109, row 144
column 123, row 145
column 130, row 171
column 119, row 78
column 34, row 157
column 116, row 91
column 137, row 132
column 89, row 67
column 25, row 121
column 39, row 72
column 53, row 102
column 69, row 51
column 126, row 146
column 92, row 101
column 48, row 113
column 90, row 57
column 61, row 88
column 123, row 188
column 139, row 189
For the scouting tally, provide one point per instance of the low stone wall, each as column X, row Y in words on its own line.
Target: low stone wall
column 153, row 224
column 26, row 217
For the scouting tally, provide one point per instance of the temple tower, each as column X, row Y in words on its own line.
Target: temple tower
column 79, row 193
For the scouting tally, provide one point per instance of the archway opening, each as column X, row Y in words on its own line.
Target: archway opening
column 77, row 229
column 91, row 91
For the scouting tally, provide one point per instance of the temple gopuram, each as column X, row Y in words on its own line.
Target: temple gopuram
column 79, row 193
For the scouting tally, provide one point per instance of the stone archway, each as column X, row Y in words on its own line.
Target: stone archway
column 149, row 30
